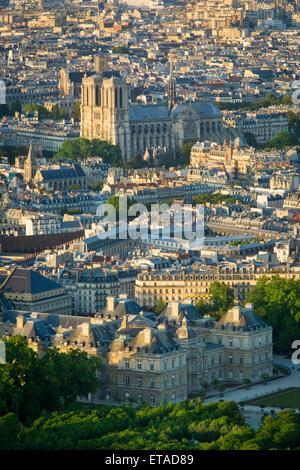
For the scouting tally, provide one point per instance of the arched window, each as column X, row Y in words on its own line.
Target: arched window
column 87, row 95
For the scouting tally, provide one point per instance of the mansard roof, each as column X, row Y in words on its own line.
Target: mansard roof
column 124, row 307
column 88, row 334
column 154, row 341
column 177, row 312
column 37, row 328
column 28, row 281
column 64, row 173
column 239, row 318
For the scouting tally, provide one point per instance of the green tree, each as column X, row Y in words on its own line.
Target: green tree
column 187, row 425
column 215, row 198
column 80, row 149
column 137, row 162
column 29, row 384
column 277, row 302
column 76, row 113
column 287, row 100
column 58, row 113
column 222, row 297
column 120, row 50
column 185, row 152
column 114, row 201
column 68, row 375
column 160, row 306
column 10, row 427
column 282, row 140
column 43, row 113
column 97, row 186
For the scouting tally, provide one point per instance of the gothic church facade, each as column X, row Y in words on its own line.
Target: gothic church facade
column 106, row 113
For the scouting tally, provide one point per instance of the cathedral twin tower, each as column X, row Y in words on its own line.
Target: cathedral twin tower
column 105, row 110
column 107, row 114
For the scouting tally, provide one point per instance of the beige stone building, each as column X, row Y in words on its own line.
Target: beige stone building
column 153, row 359
column 180, row 285
column 106, row 113
column 231, row 158
column 32, row 292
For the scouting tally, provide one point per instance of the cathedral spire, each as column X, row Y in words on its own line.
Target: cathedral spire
column 171, row 88
column 30, row 165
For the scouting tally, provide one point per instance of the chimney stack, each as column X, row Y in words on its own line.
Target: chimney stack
column 174, row 306
column 110, row 303
column 148, row 335
column 86, row 328
column 236, row 313
column 124, row 323
column 20, row 321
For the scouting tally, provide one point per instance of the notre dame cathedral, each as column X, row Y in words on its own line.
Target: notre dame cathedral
column 106, row 113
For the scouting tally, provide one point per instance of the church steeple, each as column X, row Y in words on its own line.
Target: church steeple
column 171, row 88
column 30, row 165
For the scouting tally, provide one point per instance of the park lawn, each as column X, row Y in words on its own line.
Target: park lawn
column 287, row 399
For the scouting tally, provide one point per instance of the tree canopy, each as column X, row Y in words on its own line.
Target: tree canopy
column 76, row 114
column 29, row 384
column 221, row 299
column 188, row 425
column 269, row 100
column 80, row 149
column 160, row 306
column 120, row 50
column 277, row 302
column 56, row 113
column 212, row 198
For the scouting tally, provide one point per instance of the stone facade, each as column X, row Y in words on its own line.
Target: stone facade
column 178, row 286
column 107, row 114
column 155, row 359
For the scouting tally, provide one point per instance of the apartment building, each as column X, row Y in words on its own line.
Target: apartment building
column 177, row 286
column 32, row 292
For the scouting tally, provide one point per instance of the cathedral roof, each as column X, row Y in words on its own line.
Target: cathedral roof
column 111, row 73
column 160, row 111
column 202, row 108
column 76, row 77
column 148, row 112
